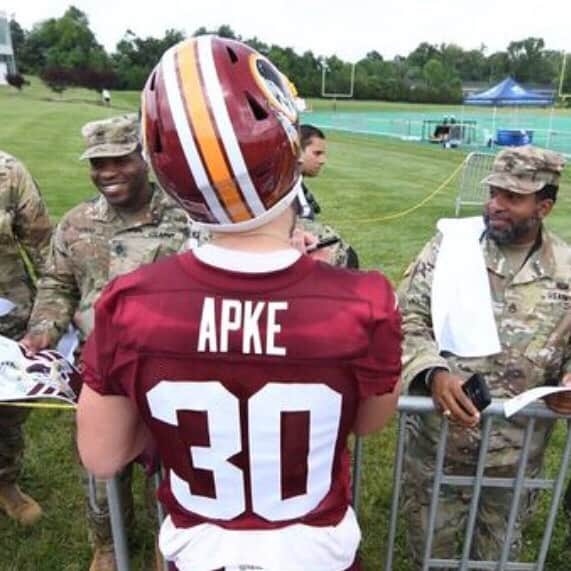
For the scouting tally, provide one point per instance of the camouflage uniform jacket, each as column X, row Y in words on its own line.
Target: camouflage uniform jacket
column 341, row 251
column 92, row 245
column 24, row 223
column 532, row 310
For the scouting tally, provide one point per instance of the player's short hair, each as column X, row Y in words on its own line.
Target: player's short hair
column 549, row 191
column 308, row 132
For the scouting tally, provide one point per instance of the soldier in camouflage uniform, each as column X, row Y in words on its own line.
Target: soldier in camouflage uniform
column 24, row 226
column 131, row 223
column 529, row 272
column 313, row 157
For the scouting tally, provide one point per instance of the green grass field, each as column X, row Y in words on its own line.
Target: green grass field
column 366, row 179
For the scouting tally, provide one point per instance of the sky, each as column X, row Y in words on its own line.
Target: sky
column 347, row 29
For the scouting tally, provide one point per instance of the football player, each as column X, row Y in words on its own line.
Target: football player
column 247, row 363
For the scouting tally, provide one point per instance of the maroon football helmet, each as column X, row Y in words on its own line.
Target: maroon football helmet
column 220, row 130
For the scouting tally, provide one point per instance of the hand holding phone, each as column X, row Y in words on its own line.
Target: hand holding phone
column 477, row 391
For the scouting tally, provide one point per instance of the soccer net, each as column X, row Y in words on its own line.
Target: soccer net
column 470, row 190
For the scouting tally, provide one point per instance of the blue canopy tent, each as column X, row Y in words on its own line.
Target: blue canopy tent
column 508, row 92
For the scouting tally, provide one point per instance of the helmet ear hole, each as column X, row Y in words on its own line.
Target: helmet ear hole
column 232, row 54
column 259, row 112
column 158, row 144
column 152, row 82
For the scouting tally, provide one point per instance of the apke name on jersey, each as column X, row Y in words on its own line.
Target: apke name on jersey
column 245, row 316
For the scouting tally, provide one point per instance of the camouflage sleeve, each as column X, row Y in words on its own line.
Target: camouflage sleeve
column 32, row 226
column 567, row 357
column 58, row 293
column 420, row 351
column 343, row 254
column 197, row 237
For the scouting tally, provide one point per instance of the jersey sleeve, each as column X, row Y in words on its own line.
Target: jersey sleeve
column 378, row 372
column 101, row 354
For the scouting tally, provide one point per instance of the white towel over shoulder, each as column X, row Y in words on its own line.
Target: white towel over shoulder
column 462, row 313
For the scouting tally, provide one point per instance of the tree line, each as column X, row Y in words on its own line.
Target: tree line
column 64, row 51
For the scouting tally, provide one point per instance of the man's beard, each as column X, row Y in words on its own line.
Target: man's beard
column 510, row 234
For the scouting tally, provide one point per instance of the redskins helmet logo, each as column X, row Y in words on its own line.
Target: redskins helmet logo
column 278, row 91
column 274, row 85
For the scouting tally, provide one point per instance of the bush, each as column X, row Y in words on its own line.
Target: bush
column 16, row 80
column 58, row 79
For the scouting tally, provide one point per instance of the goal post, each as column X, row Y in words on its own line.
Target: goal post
column 564, row 91
column 337, row 94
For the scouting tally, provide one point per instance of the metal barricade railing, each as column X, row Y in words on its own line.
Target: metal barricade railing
column 418, row 406
column 118, row 525
column 422, row 405
column 120, row 541
column 471, row 191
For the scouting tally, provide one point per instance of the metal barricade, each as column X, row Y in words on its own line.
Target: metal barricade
column 417, row 406
column 118, row 525
column 471, row 191
column 422, row 405
column 120, row 543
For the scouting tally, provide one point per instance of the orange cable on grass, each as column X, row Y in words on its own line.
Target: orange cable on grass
column 20, row 404
column 408, row 210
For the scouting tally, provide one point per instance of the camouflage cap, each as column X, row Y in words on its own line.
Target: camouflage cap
column 113, row 137
column 525, row 170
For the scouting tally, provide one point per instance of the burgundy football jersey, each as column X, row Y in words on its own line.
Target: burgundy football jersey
column 249, row 383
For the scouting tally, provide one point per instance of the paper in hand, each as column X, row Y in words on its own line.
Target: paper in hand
column 520, row 401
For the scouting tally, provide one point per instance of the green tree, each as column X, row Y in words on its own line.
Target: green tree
column 258, row 45
column 474, row 66
column 18, row 36
column 442, row 83
column 527, row 61
column 422, row 55
column 498, row 66
column 379, row 79
column 434, row 74
column 135, row 57
column 469, row 65
column 223, row 31
column 64, row 43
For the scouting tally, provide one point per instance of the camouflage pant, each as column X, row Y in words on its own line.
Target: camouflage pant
column 98, row 518
column 11, row 442
column 97, row 507
column 452, row 512
column 12, row 418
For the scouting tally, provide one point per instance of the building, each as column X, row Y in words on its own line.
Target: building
column 7, row 60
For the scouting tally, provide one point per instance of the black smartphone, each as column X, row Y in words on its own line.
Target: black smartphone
column 477, row 391
column 326, row 242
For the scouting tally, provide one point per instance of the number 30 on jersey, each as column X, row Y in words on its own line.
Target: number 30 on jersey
column 264, row 437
